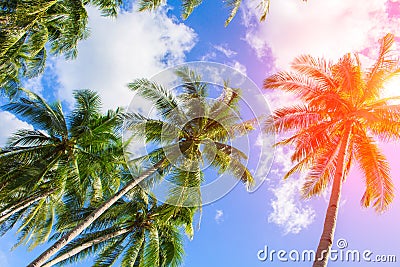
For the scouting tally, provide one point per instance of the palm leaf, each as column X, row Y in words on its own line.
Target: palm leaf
column 233, row 6
column 188, row 6
column 379, row 186
column 150, row 4
column 163, row 100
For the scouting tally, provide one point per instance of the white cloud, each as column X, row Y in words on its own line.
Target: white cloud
column 321, row 28
column 265, row 143
column 10, row 124
column 238, row 66
column 224, row 49
column 289, row 212
column 219, row 216
column 134, row 45
column 34, row 85
column 226, row 53
column 209, row 56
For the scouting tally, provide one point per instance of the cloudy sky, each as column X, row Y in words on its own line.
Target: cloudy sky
column 237, row 226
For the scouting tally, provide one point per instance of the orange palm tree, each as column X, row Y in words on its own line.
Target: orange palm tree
column 336, row 124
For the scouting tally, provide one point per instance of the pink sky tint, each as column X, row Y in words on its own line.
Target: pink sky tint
column 331, row 29
column 393, row 8
column 320, row 28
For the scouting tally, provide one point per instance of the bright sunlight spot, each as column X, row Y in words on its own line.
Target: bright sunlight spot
column 392, row 88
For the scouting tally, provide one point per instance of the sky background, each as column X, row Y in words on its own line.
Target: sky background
column 236, row 227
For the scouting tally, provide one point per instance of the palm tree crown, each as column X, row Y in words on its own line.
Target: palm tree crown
column 191, row 131
column 27, row 26
column 336, row 124
column 62, row 162
column 336, row 96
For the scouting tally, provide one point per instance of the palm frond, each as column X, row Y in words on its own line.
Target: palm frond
column 111, row 252
column 380, row 71
column 151, row 130
column 188, row 6
column 171, row 247
column 150, row 4
column 88, row 105
column 322, row 171
column 296, row 117
column 163, row 99
column 263, row 6
column 379, row 186
column 40, row 114
column 132, row 254
column 151, row 252
column 382, row 121
column 317, row 68
column 107, row 7
column 348, row 77
column 223, row 161
column 303, row 86
column 193, row 84
column 233, row 6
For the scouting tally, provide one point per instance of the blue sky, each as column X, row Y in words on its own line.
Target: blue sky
column 236, row 227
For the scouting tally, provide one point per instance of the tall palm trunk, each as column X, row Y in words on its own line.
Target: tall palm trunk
column 327, row 237
column 87, row 245
column 46, row 255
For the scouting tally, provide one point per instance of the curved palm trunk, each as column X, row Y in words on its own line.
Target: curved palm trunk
column 86, row 245
column 45, row 256
column 326, row 240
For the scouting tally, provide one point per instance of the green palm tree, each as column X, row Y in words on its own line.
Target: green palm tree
column 57, row 164
column 136, row 230
column 185, row 169
column 27, row 26
column 335, row 125
column 189, row 5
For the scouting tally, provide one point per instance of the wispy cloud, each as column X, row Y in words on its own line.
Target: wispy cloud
column 34, row 84
column 288, row 211
column 135, row 45
column 320, row 28
column 11, row 124
column 223, row 53
column 224, row 49
column 266, row 157
column 219, row 216
column 238, row 66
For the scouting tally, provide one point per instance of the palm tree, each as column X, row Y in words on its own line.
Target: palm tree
column 135, row 229
column 27, row 26
column 335, row 125
column 189, row 5
column 183, row 169
column 57, row 164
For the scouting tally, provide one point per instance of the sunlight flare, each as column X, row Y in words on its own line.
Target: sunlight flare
column 392, row 89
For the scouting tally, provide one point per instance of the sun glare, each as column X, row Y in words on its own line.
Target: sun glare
column 392, row 88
